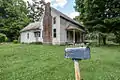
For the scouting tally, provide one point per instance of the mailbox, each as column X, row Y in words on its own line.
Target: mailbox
column 77, row 53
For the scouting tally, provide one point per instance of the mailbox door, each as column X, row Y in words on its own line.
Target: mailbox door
column 87, row 53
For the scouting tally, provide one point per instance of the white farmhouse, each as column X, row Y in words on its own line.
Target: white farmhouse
column 54, row 28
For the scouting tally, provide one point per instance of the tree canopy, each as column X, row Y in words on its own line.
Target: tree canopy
column 99, row 15
column 13, row 17
column 36, row 10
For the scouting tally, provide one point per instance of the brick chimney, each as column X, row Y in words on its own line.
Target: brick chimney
column 47, row 25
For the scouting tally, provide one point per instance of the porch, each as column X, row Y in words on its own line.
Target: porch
column 74, row 35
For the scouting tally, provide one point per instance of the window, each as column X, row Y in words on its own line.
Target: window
column 54, row 20
column 27, row 35
column 37, row 34
column 54, row 33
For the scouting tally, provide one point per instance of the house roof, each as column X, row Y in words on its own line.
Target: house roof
column 68, row 18
column 36, row 25
column 31, row 26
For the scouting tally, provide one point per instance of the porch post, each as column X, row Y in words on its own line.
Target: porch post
column 68, row 36
column 74, row 37
column 80, row 38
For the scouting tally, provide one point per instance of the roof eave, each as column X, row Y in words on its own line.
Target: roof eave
column 29, row 30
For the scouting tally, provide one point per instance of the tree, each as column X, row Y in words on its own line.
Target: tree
column 13, row 17
column 99, row 15
column 36, row 10
column 3, row 37
column 117, row 37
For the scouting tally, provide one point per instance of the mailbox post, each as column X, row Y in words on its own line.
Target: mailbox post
column 77, row 70
column 76, row 54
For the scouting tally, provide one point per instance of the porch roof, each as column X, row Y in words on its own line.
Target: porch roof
column 70, row 27
column 32, row 26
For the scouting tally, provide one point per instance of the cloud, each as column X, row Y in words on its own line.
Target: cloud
column 54, row 3
column 59, row 3
column 27, row 0
column 39, row 0
column 73, row 14
column 47, row 1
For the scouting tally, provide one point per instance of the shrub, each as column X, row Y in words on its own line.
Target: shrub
column 36, row 43
column 3, row 37
column 6, row 39
column 111, row 37
column 117, row 37
column 15, row 41
column 22, row 43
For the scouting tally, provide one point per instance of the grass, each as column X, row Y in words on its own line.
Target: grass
column 42, row 62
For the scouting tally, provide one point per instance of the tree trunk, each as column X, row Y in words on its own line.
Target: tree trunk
column 99, row 39
column 104, row 40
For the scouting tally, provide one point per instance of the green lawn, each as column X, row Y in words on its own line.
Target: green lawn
column 38, row 62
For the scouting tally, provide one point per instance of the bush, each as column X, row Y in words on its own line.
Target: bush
column 22, row 43
column 3, row 37
column 111, row 37
column 36, row 43
column 15, row 41
column 117, row 37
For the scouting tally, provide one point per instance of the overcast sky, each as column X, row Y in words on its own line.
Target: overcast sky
column 65, row 6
